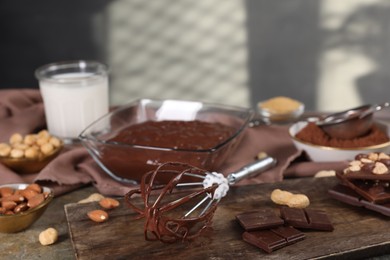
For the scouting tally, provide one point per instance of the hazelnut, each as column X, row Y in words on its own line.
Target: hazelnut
column 48, row 236
column 31, row 153
column 16, row 138
column 47, row 148
column 17, row 153
column 55, row 141
column 29, row 139
column 5, row 149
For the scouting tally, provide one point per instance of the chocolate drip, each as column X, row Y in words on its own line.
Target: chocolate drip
column 164, row 206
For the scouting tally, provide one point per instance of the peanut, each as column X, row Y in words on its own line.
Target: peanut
column 98, row 215
column 48, row 236
column 298, row 201
column 289, row 199
column 280, row 197
column 325, row 173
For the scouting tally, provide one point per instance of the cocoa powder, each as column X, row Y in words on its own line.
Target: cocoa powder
column 315, row 135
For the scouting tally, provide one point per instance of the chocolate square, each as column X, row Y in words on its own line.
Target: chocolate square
column 261, row 219
column 273, row 239
column 372, row 190
column 306, row 218
column 349, row 196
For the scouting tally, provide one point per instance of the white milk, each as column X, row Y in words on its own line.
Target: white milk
column 73, row 101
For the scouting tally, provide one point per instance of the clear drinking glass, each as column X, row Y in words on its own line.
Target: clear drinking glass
column 75, row 93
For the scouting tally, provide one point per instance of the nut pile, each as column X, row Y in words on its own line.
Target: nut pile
column 375, row 163
column 15, row 201
column 31, row 146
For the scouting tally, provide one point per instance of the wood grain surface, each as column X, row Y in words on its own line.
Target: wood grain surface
column 359, row 233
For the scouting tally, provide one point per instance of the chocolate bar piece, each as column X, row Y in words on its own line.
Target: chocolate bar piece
column 306, row 218
column 372, row 166
column 364, row 175
column 374, row 191
column 347, row 195
column 273, row 239
column 261, row 219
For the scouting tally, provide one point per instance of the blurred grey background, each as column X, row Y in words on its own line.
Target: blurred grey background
column 330, row 54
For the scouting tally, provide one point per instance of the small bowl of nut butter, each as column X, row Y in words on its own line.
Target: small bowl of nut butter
column 29, row 153
column 21, row 205
column 280, row 110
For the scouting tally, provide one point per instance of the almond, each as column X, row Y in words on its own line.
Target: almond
column 98, row 215
column 109, row 203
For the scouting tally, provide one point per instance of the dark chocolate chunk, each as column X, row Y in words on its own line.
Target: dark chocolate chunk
column 273, row 239
column 372, row 190
column 306, row 218
column 291, row 234
column 366, row 174
column 347, row 195
column 261, row 219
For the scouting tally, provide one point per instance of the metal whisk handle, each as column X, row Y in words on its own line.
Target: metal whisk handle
column 252, row 169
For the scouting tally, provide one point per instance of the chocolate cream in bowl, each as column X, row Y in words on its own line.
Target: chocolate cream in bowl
column 140, row 148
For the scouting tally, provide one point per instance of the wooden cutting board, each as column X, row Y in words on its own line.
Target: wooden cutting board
column 358, row 233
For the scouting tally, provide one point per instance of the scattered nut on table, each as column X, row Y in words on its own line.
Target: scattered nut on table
column 98, row 215
column 92, row 197
column 109, row 203
column 48, row 236
column 282, row 197
column 325, row 173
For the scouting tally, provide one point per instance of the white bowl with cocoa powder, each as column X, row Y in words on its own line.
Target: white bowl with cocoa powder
column 321, row 153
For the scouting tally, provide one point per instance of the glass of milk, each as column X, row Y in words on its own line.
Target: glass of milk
column 75, row 93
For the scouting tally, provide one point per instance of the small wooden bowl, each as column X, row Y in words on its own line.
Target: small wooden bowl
column 21, row 221
column 27, row 166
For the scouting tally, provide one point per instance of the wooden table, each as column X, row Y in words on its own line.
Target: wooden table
column 358, row 233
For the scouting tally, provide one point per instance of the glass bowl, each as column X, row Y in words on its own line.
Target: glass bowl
column 21, row 221
column 320, row 153
column 129, row 162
